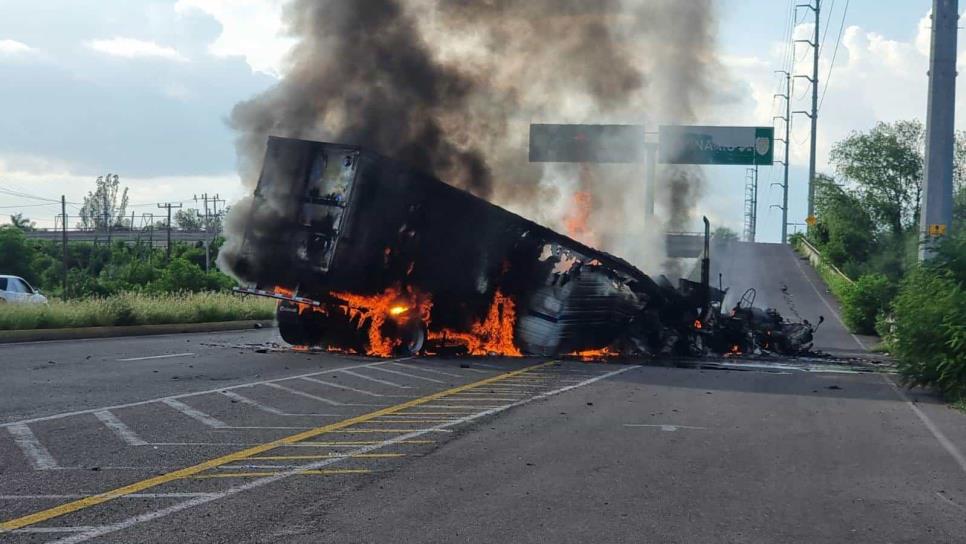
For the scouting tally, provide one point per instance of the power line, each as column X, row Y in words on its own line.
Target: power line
column 834, row 53
column 27, row 206
column 828, row 23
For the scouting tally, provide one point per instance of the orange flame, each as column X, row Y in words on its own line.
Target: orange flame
column 375, row 309
column 698, row 325
column 578, row 217
column 494, row 336
column 591, row 354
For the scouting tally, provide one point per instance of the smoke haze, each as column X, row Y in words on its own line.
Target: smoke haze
column 451, row 87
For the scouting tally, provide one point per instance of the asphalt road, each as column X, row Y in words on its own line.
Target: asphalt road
column 224, row 438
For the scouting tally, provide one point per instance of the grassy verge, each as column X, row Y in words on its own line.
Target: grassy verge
column 135, row 309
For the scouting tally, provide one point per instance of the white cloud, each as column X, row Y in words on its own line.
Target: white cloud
column 249, row 28
column 13, row 47
column 51, row 178
column 131, row 48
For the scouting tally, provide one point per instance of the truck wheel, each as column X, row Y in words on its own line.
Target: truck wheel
column 413, row 339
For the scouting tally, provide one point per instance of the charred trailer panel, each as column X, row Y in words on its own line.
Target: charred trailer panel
column 344, row 226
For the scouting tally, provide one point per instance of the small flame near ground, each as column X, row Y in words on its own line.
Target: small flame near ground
column 593, row 354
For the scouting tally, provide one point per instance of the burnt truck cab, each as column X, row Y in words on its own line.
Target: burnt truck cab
column 334, row 229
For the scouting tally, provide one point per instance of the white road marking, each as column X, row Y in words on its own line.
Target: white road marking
column 346, row 387
column 43, row 530
column 119, row 428
column 493, row 367
column 376, row 380
column 945, row 442
column 413, row 376
column 666, row 428
column 829, row 306
column 261, row 482
column 250, row 402
column 189, row 395
column 304, row 394
column 195, row 414
column 171, row 356
column 36, row 453
column 428, row 370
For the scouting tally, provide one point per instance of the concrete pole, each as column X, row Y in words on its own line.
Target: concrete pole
column 814, row 149
column 788, row 143
column 937, row 196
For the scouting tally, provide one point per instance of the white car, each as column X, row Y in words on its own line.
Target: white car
column 16, row 290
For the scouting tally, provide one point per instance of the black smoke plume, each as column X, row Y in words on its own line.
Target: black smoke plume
column 451, row 86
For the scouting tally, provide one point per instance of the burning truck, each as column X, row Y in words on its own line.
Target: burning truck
column 369, row 256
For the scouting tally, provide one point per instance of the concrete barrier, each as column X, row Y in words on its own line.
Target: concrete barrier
column 37, row 335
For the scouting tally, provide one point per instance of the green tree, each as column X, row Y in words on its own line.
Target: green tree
column 886, row 164
column 105, row 206
column 16, row 254
column 22, row 223
column 845, row 232
column 187, row 219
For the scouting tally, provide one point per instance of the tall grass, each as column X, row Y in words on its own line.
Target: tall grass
column 135, row 309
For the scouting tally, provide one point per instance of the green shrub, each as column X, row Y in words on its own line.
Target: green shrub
column 930, row 331
column 930, row 321
column 135, row 309
column 864, row 302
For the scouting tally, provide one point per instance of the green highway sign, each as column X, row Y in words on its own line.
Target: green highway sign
column 717, row 145
column 587, row 143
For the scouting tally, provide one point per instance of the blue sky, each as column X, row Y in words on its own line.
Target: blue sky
column 143, row 87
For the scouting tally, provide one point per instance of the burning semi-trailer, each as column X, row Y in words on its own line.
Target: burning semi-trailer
column 367, row 255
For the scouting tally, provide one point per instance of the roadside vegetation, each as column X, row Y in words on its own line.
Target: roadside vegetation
column 868, row 227
column 136, row 309
column 120, row 284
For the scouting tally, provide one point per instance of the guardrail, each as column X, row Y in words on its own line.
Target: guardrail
column 815, row 257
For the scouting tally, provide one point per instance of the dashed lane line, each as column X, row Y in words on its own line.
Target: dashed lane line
column 197, row 415
column 119, row 428
column 427, row 370
column 413, row 376
column 375, row 380
column 346, row 387
column 195, row 470
column 270, row 477
column 269, row 409
column 303, row 394
column 36, row 453
column 169, row 356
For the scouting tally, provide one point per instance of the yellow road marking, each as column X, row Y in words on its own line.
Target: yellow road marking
column 327, row 456
column 412, row 421
column 449, row 413
column 366, row 431
column 324, row 472
column 187, row 472
column 363, row 443
column 478, row 399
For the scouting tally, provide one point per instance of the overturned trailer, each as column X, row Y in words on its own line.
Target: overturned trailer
column 368, row 255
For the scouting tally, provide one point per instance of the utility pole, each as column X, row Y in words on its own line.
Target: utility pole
column 787, row 141
column 937, row 195
column 817, row 8
column 751, row 204
column 169, row 205
column 204, row 198
column 63, row 231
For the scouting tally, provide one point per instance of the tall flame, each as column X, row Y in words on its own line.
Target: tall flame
column 492, row 336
